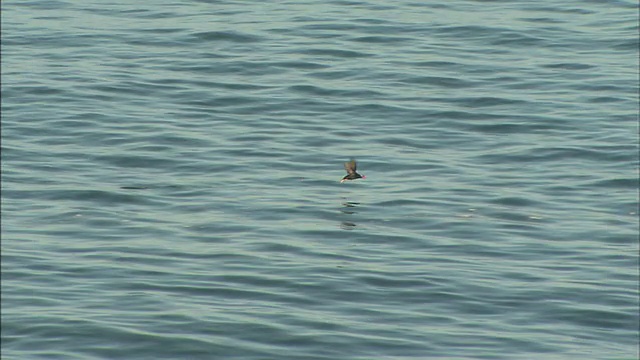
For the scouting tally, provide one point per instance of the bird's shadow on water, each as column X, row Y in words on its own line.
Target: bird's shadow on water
column 348, row 208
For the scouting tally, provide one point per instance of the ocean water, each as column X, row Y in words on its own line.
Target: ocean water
column 170, row 180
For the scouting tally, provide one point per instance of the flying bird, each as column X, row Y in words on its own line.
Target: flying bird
column 351, row 167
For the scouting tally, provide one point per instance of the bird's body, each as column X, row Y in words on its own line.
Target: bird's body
column 351, row 167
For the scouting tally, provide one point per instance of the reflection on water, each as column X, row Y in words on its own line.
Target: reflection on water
column 348, row 208
column 347, row 225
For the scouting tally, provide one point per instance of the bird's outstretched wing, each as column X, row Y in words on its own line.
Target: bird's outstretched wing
column 350, row 166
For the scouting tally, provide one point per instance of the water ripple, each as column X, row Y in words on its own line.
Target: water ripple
column 171, row 180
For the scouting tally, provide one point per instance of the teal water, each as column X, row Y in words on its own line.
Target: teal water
column 170, row 180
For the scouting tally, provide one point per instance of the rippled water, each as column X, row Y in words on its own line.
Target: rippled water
column 171, row 174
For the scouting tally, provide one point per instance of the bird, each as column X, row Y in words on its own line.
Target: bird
column 351, row 167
